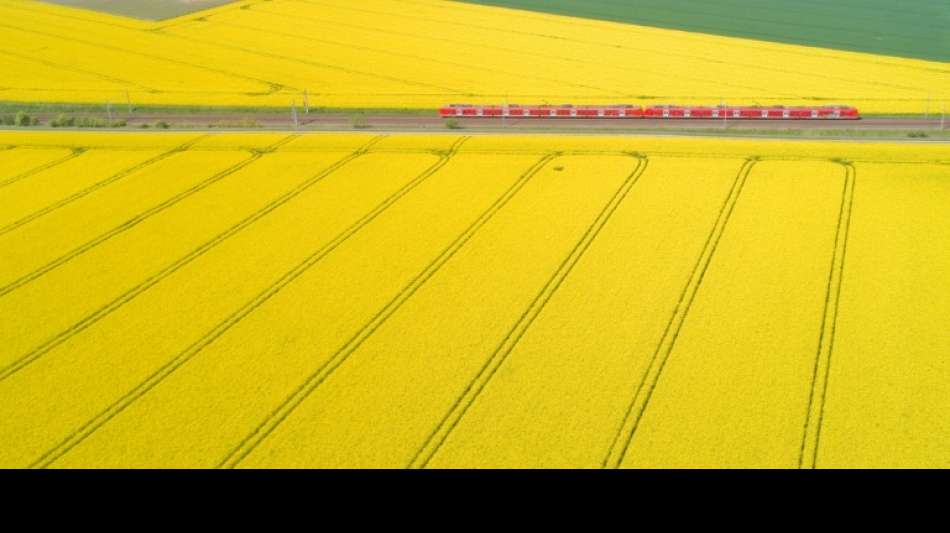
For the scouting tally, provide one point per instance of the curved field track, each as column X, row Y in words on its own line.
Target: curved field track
column 359, row 300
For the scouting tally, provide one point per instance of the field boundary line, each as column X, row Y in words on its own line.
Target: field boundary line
column 648, row 381
column 98, row 185
column 74, row 153
column 135, row 220
column 155, row 278
column 814, row 413
column 477, row 384
column 324, row 371
column 80, row 434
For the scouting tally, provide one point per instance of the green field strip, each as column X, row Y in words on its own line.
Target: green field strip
column 548, row 408
column 819, row 386
column 888, row 394
column 18, row 164
column 97, row 282
column 917, row 30
column 202, row 295
column 381, row 260
column 760, row 305
column 426, row 353
column 25, row 200
column 48, row 242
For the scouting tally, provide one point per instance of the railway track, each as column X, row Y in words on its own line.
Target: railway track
column 401, row 122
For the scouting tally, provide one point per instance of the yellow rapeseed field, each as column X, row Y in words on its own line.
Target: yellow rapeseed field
column 897, row 277
column 440, row 301
column 426, row 53
column 732, row 391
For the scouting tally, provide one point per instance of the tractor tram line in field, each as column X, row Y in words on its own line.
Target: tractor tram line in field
column 160, row 374
column 640, row 244
column 152, row 280
column 272, row 87
column 314, row 380
column 130, row 223
column 822, row 370
column 74, row 153
column 448, row 423
column 323, row 385
column 818, row 383
column 464, row 350
column 641, row 397
column 381, row 255
column 94, row 187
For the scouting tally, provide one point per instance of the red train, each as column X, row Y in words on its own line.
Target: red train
column 830, row 112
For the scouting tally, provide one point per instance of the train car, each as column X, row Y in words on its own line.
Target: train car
column 541, row 111
column 752, row 112
column 665, row 111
